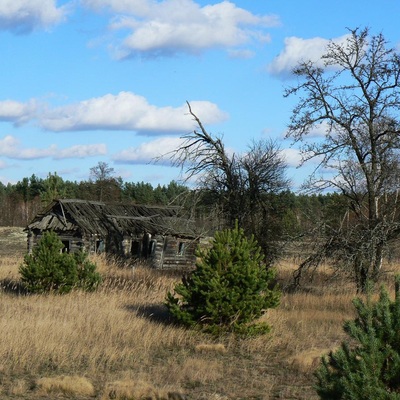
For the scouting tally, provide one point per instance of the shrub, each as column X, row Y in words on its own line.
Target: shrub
column 230, row 287
column 47, row 269
column 370, row 369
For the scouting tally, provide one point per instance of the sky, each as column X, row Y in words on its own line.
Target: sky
column 89, row 81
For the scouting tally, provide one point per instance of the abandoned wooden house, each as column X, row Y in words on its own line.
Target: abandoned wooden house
column 155, row 234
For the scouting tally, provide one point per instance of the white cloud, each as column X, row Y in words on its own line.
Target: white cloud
column 139, row 7
column 82, row 151
column 124, row 111
column 174, row 26
column 297, row 50
column 319, row 130
column 292, row 157
column 24, row 16
column 17, row 112
column 10, row 147
column 128, row 111
column 316, row 132
column 159, row 149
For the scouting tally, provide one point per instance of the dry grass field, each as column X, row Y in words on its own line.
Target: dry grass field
column 118, row 342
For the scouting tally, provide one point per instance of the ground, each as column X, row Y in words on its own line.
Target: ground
column 118, row 338
column 13, row 241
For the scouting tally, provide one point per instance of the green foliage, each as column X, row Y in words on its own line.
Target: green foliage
column 144, row 193
column 47, row 269
column 371, row 368
column 230, row 287
column 53, row 188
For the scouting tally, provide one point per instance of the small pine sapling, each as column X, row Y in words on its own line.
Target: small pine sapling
column 229, row 289
column 47, row 269
column 370, row 369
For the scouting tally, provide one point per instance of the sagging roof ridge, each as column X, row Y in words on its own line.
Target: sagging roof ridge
column 98, row 216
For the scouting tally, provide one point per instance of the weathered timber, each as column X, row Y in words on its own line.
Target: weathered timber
column 157, row 234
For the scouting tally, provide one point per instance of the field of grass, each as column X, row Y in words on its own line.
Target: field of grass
column 118, row 342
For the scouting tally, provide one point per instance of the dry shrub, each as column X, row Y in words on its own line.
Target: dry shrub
column 307, row 360
column 135, row 390
column 217, row 348
column 73, row 385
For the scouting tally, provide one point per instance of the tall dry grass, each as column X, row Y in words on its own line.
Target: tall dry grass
column 116, row 327
column 119, row 339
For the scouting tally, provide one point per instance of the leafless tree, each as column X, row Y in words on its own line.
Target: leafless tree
column 107, row 186
column 355, row 95
column 238, row 181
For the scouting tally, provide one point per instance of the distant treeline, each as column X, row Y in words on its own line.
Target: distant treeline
column 20, row 202
column 289, row 214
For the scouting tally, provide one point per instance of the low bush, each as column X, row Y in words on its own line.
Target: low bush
column 370, row 367
column 230, row 287
column 47, row 269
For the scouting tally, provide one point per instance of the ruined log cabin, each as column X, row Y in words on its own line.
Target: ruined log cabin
column 155, row 234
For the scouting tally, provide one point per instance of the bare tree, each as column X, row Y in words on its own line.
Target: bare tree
column 101, row 172
column 355, row 95
column 240, row 183
column 107, row 187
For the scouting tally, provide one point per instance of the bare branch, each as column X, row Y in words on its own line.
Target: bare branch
column 357, row 95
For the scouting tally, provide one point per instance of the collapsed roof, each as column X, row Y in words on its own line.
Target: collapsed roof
column 99, row 218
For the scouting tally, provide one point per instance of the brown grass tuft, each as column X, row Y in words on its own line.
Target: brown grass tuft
column 308, row 360
column 70, row 385
column 132, row 390
column 217, row 348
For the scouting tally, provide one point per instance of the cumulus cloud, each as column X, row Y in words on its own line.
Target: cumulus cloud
column 138, row 7
column 175, row 26
column 11, row 147
column 159, row 149
column 17, row 112
column 297, row 50
column 24, row 16
column 128, row 111
column 124, row 111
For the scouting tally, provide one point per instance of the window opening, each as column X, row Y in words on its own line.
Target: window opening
column 65, row 249
column 152, row 247
column 100, row 246
column 181, row 248
column 135, row 248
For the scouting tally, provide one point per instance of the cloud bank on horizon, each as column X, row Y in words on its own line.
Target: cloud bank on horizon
column 140, row 32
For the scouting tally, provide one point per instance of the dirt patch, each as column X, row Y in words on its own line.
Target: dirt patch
column 12, row 241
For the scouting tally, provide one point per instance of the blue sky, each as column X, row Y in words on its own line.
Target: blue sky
column 84, row 81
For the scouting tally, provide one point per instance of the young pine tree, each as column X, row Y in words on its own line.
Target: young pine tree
column 371, row 368
column 47, row 269
column 230, row 287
